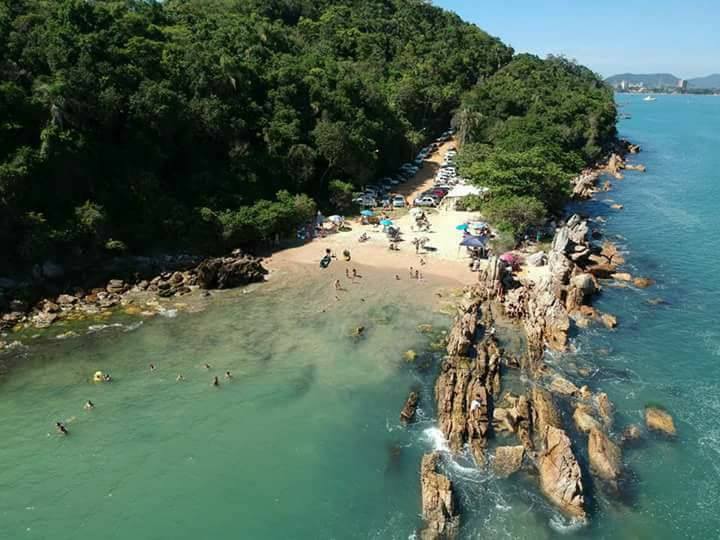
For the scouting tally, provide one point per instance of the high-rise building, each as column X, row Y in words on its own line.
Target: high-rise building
column 682, row 85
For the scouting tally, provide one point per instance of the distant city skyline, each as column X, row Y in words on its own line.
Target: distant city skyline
column 658, row 36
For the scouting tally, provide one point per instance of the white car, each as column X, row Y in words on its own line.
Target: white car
column 365, row 200
column 398, row 201
column 427, row 200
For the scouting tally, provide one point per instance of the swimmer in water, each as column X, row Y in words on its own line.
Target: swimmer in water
column 89, row 405
column 206, row 366
column 152, row 367
column 179, row 378
column 216, row 381
column 61, row 428
column 228, row 375
column 107, row 378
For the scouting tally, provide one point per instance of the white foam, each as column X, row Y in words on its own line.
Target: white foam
column 99, row 327
column 437, row 441
column 134, row 326
column 169, row 313
column 564, row 526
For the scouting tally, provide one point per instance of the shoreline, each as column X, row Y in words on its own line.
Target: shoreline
column 472, row 406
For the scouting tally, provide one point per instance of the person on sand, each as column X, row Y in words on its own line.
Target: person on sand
column 417, row 274
column 347, row 273
column 355, row 273
column 346, row 255
column 422, row 261
column 412, row 272
column 88, row 405
column 337, row 285
column 61, row 429
column 228, row 375
column 216, row 381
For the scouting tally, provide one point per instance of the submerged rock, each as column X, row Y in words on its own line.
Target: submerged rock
column 659, row 420
column 442, row 519
column 631, row 435
column 643, row 282
column 610, row 321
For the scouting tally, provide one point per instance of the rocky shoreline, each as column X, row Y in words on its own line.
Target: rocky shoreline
column 134, row 296
column 472, row 408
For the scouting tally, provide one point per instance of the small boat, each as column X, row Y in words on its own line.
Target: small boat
column 650, row 98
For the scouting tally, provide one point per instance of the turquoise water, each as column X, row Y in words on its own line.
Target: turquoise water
column 304, row 441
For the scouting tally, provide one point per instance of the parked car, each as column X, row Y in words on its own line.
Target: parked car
column 398, row 201
column 418, row 163
column 365, row 200
column 439, row 192
column 385, row 200
column 426, row 200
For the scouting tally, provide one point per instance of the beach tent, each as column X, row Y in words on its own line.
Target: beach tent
column 473, row 242
column 367, row 213
column 336, row 219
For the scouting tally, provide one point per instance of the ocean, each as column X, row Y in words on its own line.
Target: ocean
column 304, row 441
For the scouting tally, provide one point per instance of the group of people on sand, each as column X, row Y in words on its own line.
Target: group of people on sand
column 62, row 429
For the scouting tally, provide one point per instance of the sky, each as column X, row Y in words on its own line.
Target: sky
column 608, row 36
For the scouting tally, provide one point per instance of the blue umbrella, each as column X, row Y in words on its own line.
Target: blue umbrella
column 462, row 227
column 473, row 242
column 386, row 222
column 367, row 213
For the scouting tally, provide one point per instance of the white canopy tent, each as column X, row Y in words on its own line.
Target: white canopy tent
column 460, row 192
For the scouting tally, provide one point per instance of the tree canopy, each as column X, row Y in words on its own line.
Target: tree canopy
column 528, row 129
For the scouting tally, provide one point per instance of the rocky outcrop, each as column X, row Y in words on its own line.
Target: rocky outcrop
column 407, row 415
column 660, row 421
column 584, row 420
column 584, row 186
column 229, row 272
column 560, row 476
column 508, row 460
column 545, row 413
column 605, row 458
column 605, row 408
column 439, row 509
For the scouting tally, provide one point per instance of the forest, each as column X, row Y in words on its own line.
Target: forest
column 137, row 126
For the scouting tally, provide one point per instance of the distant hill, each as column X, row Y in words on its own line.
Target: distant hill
column 649, row 80
column 711, row 81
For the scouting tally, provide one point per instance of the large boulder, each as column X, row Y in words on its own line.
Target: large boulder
column 545, row 413
column 584, row 420
column 563, row 387
column 407, row 414
column 229, row 272
column 560, row 476
column 439, row 511
column 605, row 457
column 659, row 420
column 508, row 459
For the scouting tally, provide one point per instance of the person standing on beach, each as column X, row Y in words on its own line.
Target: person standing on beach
column 347, row 273
column 412, row 272
column 337, row 285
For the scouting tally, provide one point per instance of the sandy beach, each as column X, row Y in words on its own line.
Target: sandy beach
column 445, row 258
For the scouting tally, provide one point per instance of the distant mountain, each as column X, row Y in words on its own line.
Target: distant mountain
column 711, row 81
column 649, row 80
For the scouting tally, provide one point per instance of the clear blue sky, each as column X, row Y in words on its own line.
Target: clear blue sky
column 609, row 36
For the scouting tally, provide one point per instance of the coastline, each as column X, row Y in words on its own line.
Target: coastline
column 474, row 411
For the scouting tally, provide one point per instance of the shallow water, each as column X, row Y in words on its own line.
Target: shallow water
column 304, row 442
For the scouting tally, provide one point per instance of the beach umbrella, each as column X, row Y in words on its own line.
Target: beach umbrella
column 386, row 222
column 367, row 213
column 510, row 258
column 473, row 242
column 462, row 227
column 336, row 219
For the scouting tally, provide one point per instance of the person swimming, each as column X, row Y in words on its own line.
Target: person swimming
column 88, row 405
column 61, row 429
column 228, row 375
column 216, row 381
column 107, row 378
column 179, row 378
column 206, row 366
column 152, row 367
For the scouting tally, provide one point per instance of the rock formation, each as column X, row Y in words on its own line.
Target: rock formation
column 439, row 510
column 659, row 420
column 228, row 272
column 560, row 476
column 605, row 457
column 508, row 460
column 407, row 415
